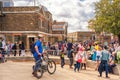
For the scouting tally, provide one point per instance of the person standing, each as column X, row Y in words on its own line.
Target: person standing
column 84, row 58
column 70, row 53
column 14, row 48
column 98, row 55
column 20, row 47
column 9, row 47
column 38, row 52
column 78, row 59
column 104, row 62
column 62, row 59
column 23, row 49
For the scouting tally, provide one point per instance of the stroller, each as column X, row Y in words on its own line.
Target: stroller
column 2, row 56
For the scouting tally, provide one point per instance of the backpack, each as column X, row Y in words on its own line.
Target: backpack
column 32, row 48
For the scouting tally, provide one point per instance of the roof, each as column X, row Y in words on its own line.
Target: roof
column 57, row 23
column 59, row 26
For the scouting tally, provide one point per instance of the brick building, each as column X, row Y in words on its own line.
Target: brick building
column 59, row 31
column 25, row 24
column 80, row 36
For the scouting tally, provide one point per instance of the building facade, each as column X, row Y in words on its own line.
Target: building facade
column 59, row 31
column 80, row 36
column 25, row 24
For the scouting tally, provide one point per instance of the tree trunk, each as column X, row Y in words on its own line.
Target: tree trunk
column 119, row 38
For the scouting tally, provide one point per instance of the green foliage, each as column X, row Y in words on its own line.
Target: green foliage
column 107, row 17
column 118, row 57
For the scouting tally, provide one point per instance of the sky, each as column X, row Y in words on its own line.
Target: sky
column 76, row 12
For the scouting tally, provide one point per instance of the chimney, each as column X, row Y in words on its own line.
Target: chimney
column 1, row 6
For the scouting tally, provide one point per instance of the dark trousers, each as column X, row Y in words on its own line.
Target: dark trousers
column 83, row 65
column 103, row 66
column 110, row 68
column 71, row 62
column 15, row 52
column 19, row 52
column 38, row 61
column 62, row 62
column 37, row 65
column 68, row 53
column 77, row 66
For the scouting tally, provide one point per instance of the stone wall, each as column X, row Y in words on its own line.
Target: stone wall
column 13, row 9
column 20, row 22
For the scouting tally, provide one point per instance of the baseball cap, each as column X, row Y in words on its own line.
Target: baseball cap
column 40, row 36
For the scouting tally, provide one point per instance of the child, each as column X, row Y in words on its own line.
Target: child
column 84, row 58
column 98, row 56
column 62, row 59
column 78, row 59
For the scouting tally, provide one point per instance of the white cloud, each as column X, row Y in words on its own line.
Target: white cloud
column 76, row 12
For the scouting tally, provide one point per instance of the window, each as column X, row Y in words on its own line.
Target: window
column 39, row 23
column 16, row 38
column 6, row 4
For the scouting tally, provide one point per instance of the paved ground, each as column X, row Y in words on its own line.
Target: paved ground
column 22, row 71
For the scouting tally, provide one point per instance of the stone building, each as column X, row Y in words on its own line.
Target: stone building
column 80, row 36
column 25, row 24
column 59, row 31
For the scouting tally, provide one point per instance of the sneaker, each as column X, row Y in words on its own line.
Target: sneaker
column 107, row 77
column 34, row 73
column 61, row 66
column 78, row 71
column 71, row 67
column 74, row 70
column 99, row 76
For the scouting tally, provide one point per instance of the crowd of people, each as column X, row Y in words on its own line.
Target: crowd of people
column 104, row 54
column 8, row 48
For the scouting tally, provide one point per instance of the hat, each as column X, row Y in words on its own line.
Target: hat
column 40, row 36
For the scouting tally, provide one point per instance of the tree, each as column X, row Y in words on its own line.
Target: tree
column 107, row 17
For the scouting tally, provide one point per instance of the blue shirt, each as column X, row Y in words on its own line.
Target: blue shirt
column 69, row 46
column 105, row 55
column 39, row 45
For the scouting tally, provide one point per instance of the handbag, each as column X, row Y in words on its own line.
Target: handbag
column 79, row 60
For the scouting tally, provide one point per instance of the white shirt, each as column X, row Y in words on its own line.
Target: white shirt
column 3, row 44
column 98, row 53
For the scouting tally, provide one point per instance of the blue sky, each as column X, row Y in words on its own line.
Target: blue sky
column 76, row 12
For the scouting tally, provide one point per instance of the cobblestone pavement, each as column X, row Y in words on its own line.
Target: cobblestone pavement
column 22, row 71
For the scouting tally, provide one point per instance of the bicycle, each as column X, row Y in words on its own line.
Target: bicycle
column 44, row 64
